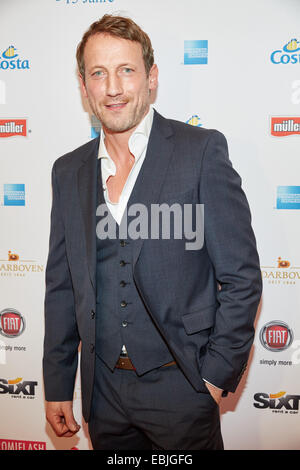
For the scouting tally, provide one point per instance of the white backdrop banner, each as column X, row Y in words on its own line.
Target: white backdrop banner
column 233, row 66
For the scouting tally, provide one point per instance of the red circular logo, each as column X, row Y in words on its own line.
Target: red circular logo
column 276, row 336
column 12, row 323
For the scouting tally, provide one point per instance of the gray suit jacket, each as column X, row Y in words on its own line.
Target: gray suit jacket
column 203, row 301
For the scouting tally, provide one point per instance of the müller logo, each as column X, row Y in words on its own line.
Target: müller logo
column 276, row 336
column 13, row 127
column 285, row 126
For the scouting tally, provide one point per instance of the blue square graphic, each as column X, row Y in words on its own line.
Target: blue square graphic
column 288, row 197
column 14, row 194
column 94, row 133
column 195, row 52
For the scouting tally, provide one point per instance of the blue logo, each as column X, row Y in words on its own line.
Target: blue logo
column 13, row 195
column 10, row 61
column 288, row 197
column 287, row 55
column 194, row 121
column 95, row 127
column 94, row 133
column 195, row 52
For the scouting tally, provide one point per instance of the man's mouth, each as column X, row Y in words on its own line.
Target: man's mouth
column 116, row 106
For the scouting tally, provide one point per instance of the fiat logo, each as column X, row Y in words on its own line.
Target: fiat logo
column 12, row 323
column 276, row 336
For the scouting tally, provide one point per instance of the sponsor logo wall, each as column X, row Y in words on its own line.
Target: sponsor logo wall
column 208, row 78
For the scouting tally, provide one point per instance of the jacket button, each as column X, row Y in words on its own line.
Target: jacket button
column 124, row 324
column 122, row 243
column 92, row 348
column 122, row 263
column 93, row 314
column 122, row 283
column 123, row 303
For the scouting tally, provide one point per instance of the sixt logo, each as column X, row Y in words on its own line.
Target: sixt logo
column 17, row 387
column 277, row 402
column 10, row 61
column 287, row 55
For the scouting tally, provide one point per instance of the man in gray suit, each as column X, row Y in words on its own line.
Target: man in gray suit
column 165, row 331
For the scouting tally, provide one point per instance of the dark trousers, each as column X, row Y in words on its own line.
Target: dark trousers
column 159, row 410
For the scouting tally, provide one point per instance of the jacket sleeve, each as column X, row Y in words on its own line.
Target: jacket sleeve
column 232, row 249
column 61, row 335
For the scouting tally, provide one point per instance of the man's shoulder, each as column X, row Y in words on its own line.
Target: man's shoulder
column 73, row 159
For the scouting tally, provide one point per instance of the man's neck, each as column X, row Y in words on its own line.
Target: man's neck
column 116, row 143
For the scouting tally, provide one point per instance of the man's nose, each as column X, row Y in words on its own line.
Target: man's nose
column 114, row 85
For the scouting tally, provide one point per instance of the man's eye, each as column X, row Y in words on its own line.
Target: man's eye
column 98, row 73
column 127, row 69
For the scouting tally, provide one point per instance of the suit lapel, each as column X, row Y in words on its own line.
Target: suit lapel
column 150, row 180
column 87, row 189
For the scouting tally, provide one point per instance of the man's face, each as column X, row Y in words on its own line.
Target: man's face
column 116, row 83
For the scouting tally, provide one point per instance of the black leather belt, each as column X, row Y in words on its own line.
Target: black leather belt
column 125, row 363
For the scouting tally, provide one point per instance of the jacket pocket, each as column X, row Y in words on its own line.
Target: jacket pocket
column 200, row 319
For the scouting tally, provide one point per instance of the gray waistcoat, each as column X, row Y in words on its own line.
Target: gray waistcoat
column 121, row 316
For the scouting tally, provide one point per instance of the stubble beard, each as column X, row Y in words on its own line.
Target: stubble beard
column 118, row 124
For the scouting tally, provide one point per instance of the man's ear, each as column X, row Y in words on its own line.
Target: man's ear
column 153, row 77
column 82, row 85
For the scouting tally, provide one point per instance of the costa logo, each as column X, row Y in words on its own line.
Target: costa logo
column 12, row 323
column 276, row 336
